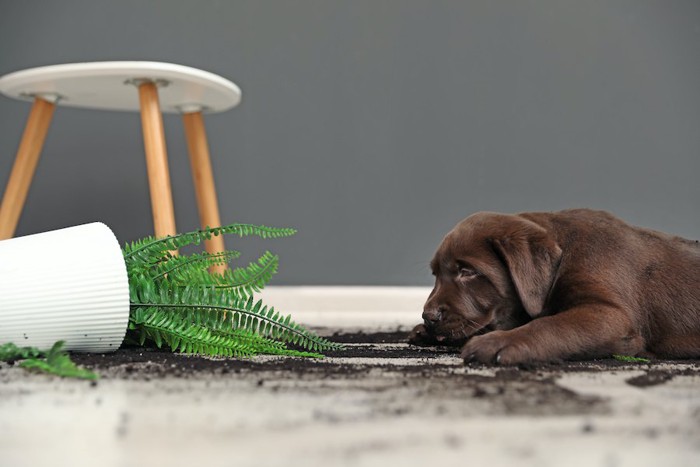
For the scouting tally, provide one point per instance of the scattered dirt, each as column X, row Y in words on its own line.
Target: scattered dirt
column 360, row 337
column 378, row 390
column 654, row 377
column 394, row 377
column 650, row 378
column 430, row 380
column 149, row 363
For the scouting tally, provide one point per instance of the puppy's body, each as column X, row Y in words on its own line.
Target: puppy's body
column 577, row 283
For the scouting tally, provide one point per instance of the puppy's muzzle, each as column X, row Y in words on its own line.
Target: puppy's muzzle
column 433, row 315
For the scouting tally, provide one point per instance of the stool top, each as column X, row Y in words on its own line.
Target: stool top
column 112, row 86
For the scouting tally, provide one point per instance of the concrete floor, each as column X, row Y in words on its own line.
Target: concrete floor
column 379, row 414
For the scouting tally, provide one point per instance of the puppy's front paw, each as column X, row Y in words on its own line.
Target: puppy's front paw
column 421, row 336
column 495, row 347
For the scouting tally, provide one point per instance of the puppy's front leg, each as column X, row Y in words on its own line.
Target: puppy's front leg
column 584, row 331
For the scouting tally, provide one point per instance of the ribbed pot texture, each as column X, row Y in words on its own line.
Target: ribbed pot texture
column 69, row 284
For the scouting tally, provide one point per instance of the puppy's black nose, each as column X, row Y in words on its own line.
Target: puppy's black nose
column 432, row 315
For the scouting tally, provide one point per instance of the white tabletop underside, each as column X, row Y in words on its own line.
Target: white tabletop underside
column 113, row 86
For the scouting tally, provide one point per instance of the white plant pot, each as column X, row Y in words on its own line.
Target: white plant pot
column 69, row 284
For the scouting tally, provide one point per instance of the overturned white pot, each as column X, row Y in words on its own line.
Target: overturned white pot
column 69, row 284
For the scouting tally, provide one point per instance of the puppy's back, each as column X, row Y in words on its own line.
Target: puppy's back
column 656, row 273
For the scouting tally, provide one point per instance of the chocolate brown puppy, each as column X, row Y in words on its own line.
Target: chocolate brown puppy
column 536, row 287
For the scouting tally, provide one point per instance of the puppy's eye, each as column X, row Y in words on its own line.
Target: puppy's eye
column 466, row 273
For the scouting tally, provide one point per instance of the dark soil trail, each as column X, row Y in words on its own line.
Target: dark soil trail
column 356, row 361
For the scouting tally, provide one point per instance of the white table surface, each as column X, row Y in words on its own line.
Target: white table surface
column 110, row 86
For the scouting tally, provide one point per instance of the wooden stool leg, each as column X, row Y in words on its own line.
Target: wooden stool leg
column 156, row 161
column 24, row 166
column 203, row 178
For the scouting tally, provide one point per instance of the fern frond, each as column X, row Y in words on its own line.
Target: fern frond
column 55, row 360
column 10, row 352
column 225, row 309
column 269, row 346
column 188, row 264
column 183, row 336
column 247, row 281
column 151, row 249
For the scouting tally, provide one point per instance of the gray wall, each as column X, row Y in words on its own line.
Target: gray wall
column 374, row 126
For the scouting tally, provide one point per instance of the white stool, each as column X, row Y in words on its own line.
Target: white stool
column 130, row 86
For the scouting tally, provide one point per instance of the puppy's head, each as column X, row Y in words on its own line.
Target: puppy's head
column 492, row 271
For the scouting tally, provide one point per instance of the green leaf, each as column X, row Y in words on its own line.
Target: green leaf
column 10, row 352
column 628, row 359
column 56, row 361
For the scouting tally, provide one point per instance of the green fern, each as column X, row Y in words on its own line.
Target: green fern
column 629, row 359
column 176, row 264
column 151, row 249
column 176, row 301
column 247, row 281
column 10, row 352
column 55, row 360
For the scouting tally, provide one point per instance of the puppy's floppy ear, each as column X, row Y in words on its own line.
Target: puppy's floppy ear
column 532, row 257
